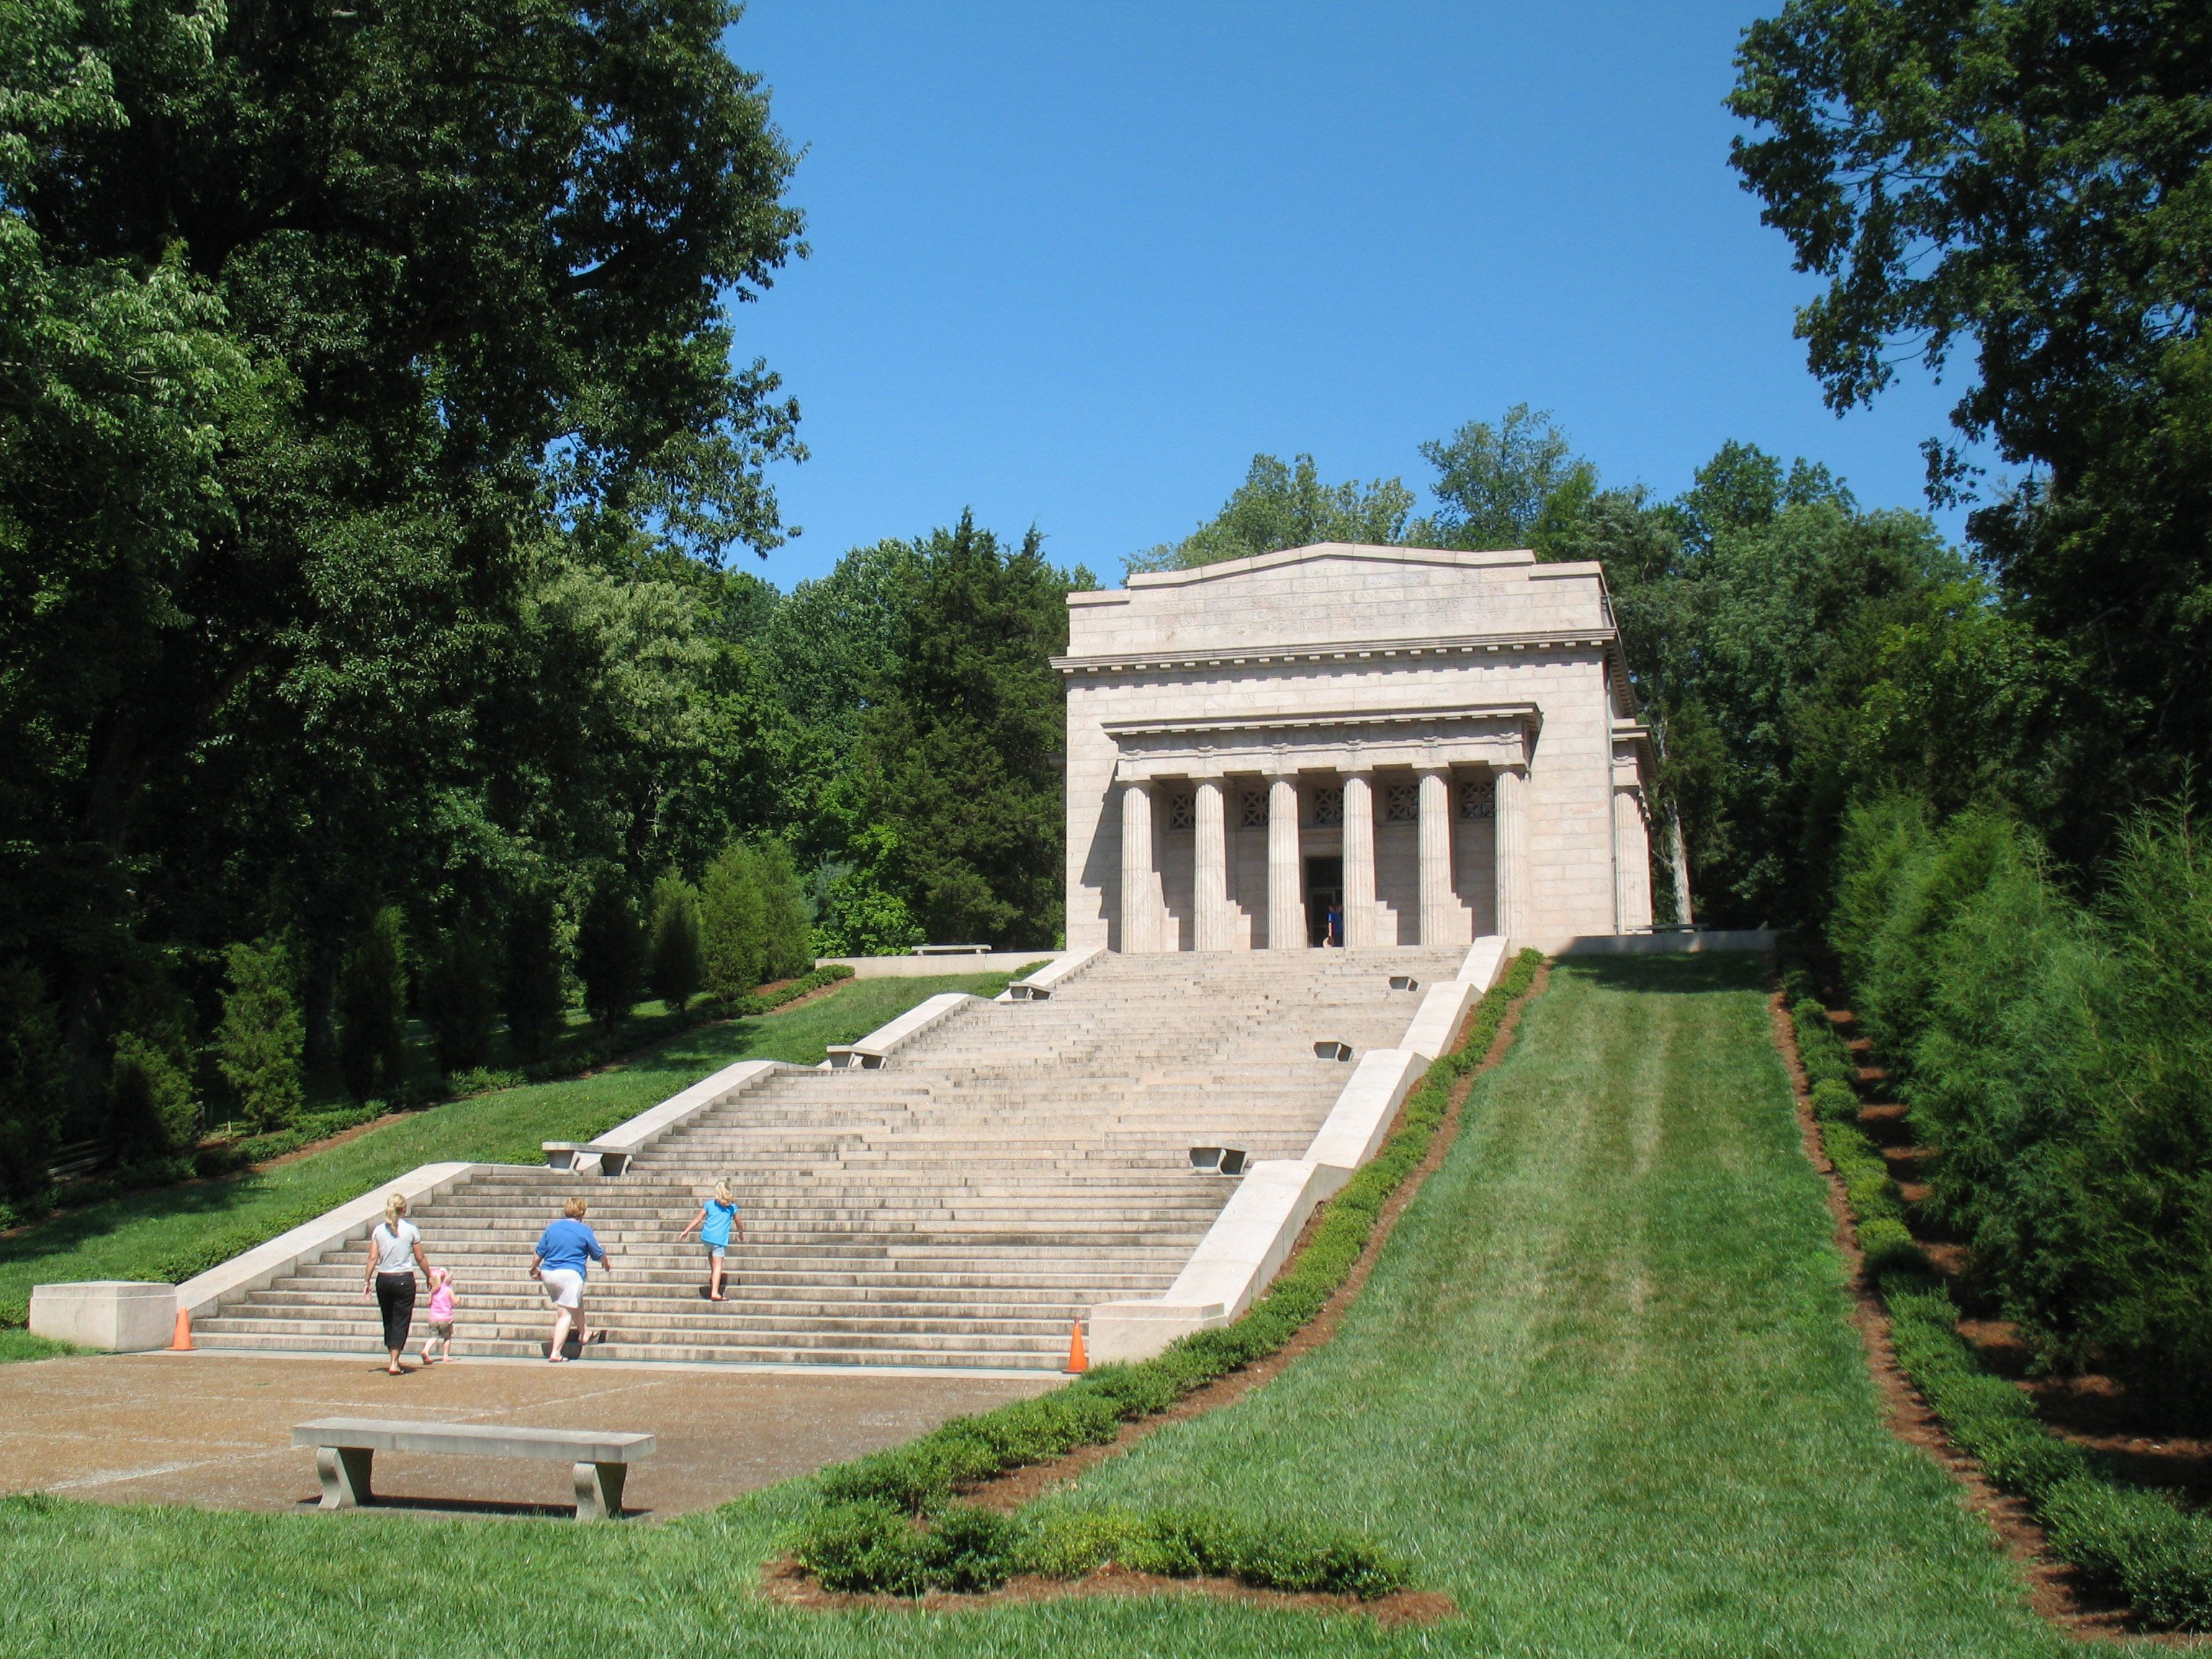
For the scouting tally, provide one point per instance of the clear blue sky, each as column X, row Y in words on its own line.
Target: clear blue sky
column 1073, row 266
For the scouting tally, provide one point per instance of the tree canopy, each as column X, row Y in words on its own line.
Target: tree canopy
column 2032, row 180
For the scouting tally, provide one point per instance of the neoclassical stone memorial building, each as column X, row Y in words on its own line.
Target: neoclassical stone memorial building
column 1442, row 742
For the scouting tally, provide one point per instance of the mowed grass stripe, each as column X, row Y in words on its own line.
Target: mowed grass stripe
column 1603, row 1387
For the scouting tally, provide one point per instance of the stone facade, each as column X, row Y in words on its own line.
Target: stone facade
column 1443, row 741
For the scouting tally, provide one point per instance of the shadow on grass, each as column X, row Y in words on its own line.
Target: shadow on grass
column 214, row 1199
column 1702, row 973
column 481, row 1508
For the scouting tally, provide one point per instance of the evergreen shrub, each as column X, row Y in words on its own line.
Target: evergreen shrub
column 610, row 952
column 1887, row 1242
column 371, row 1009
column 534, row 995
column 34, row 1083
column 874, row 1547
column 733, row 923
column 150, row 1103
column 259, row 1046
column 786, row 931
column 458, row 993
column 1834, row 1103
column 678, row 963
column 2060, row 1058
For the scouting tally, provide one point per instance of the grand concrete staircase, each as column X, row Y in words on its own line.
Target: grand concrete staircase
column 958, row 1207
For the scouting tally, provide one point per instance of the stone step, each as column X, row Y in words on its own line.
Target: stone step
column 1008, row 1170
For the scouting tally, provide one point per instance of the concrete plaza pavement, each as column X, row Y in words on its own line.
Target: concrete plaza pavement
column 214, row 1431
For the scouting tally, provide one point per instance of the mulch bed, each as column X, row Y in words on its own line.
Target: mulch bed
column 2055, row 1589
column 784, row 1580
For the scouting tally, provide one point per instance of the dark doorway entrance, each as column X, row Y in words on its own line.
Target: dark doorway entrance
column 1324, row 892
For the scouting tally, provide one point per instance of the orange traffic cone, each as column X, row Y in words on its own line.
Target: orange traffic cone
column 1077, row 1363
column 184, row 1340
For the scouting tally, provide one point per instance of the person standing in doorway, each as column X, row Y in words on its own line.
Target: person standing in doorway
column 565, row 1250
column 714, row 1221
column 395, row 1250
column 1336, row 922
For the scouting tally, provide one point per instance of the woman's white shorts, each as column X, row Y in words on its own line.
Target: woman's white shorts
column 564, row 1284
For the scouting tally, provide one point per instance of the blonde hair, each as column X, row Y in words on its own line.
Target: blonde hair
column 395, row 1206
column 722, row 1193
column 575, row 1208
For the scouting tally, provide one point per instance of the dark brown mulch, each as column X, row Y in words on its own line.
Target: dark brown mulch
column 786, row 1582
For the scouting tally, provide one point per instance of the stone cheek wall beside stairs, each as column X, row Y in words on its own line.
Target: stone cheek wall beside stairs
column 996, row 1177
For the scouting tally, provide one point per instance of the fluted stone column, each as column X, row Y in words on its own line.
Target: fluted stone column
column 1438, row 908
column 1140, row 927
column 1286, row 909
column 1512, row 856
column 1632, row 864
column 1209, row 887
column 1358, row 859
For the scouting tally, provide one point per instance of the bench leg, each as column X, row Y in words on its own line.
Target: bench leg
column 599, row 1490
column 343, row 1471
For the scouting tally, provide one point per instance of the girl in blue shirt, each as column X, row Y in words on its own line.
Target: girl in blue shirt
column 713, row 1223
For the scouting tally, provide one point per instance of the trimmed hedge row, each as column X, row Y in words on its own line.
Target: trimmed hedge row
column 1827, row 1057
column 916, row 1481
column 2127, row 1540
column 873, row 1547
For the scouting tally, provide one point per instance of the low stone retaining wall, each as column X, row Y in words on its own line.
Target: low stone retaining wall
column 311, row 1240
column 1663, row 944
column 626, row 1140
column 997, row 962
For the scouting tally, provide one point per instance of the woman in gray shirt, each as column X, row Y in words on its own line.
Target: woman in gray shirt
column 395, row 1250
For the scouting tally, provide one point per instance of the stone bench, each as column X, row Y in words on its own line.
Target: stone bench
column 346, row 1446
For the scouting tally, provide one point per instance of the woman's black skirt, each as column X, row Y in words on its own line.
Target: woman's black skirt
column 395, row 1300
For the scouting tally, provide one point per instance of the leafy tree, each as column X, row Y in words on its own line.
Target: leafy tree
column 317, row 330
column 150, row 1100
column 1279, row 506
column 2025, row 178
column 861, row 913
column 678, row 964
column 733, row 923
column 458, row 990
column 371, row 1010
column 610, row 952
column 258, row 1047
column 2027, row 182
column 1516, row 485
column 533, row 995
column 1744, row 488
column 962, row 757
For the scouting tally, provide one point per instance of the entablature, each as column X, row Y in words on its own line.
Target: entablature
column 1464, row 645
column 1495, row 735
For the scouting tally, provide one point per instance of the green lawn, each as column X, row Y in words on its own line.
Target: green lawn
column 174, row 1231
column 1602, row 1388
